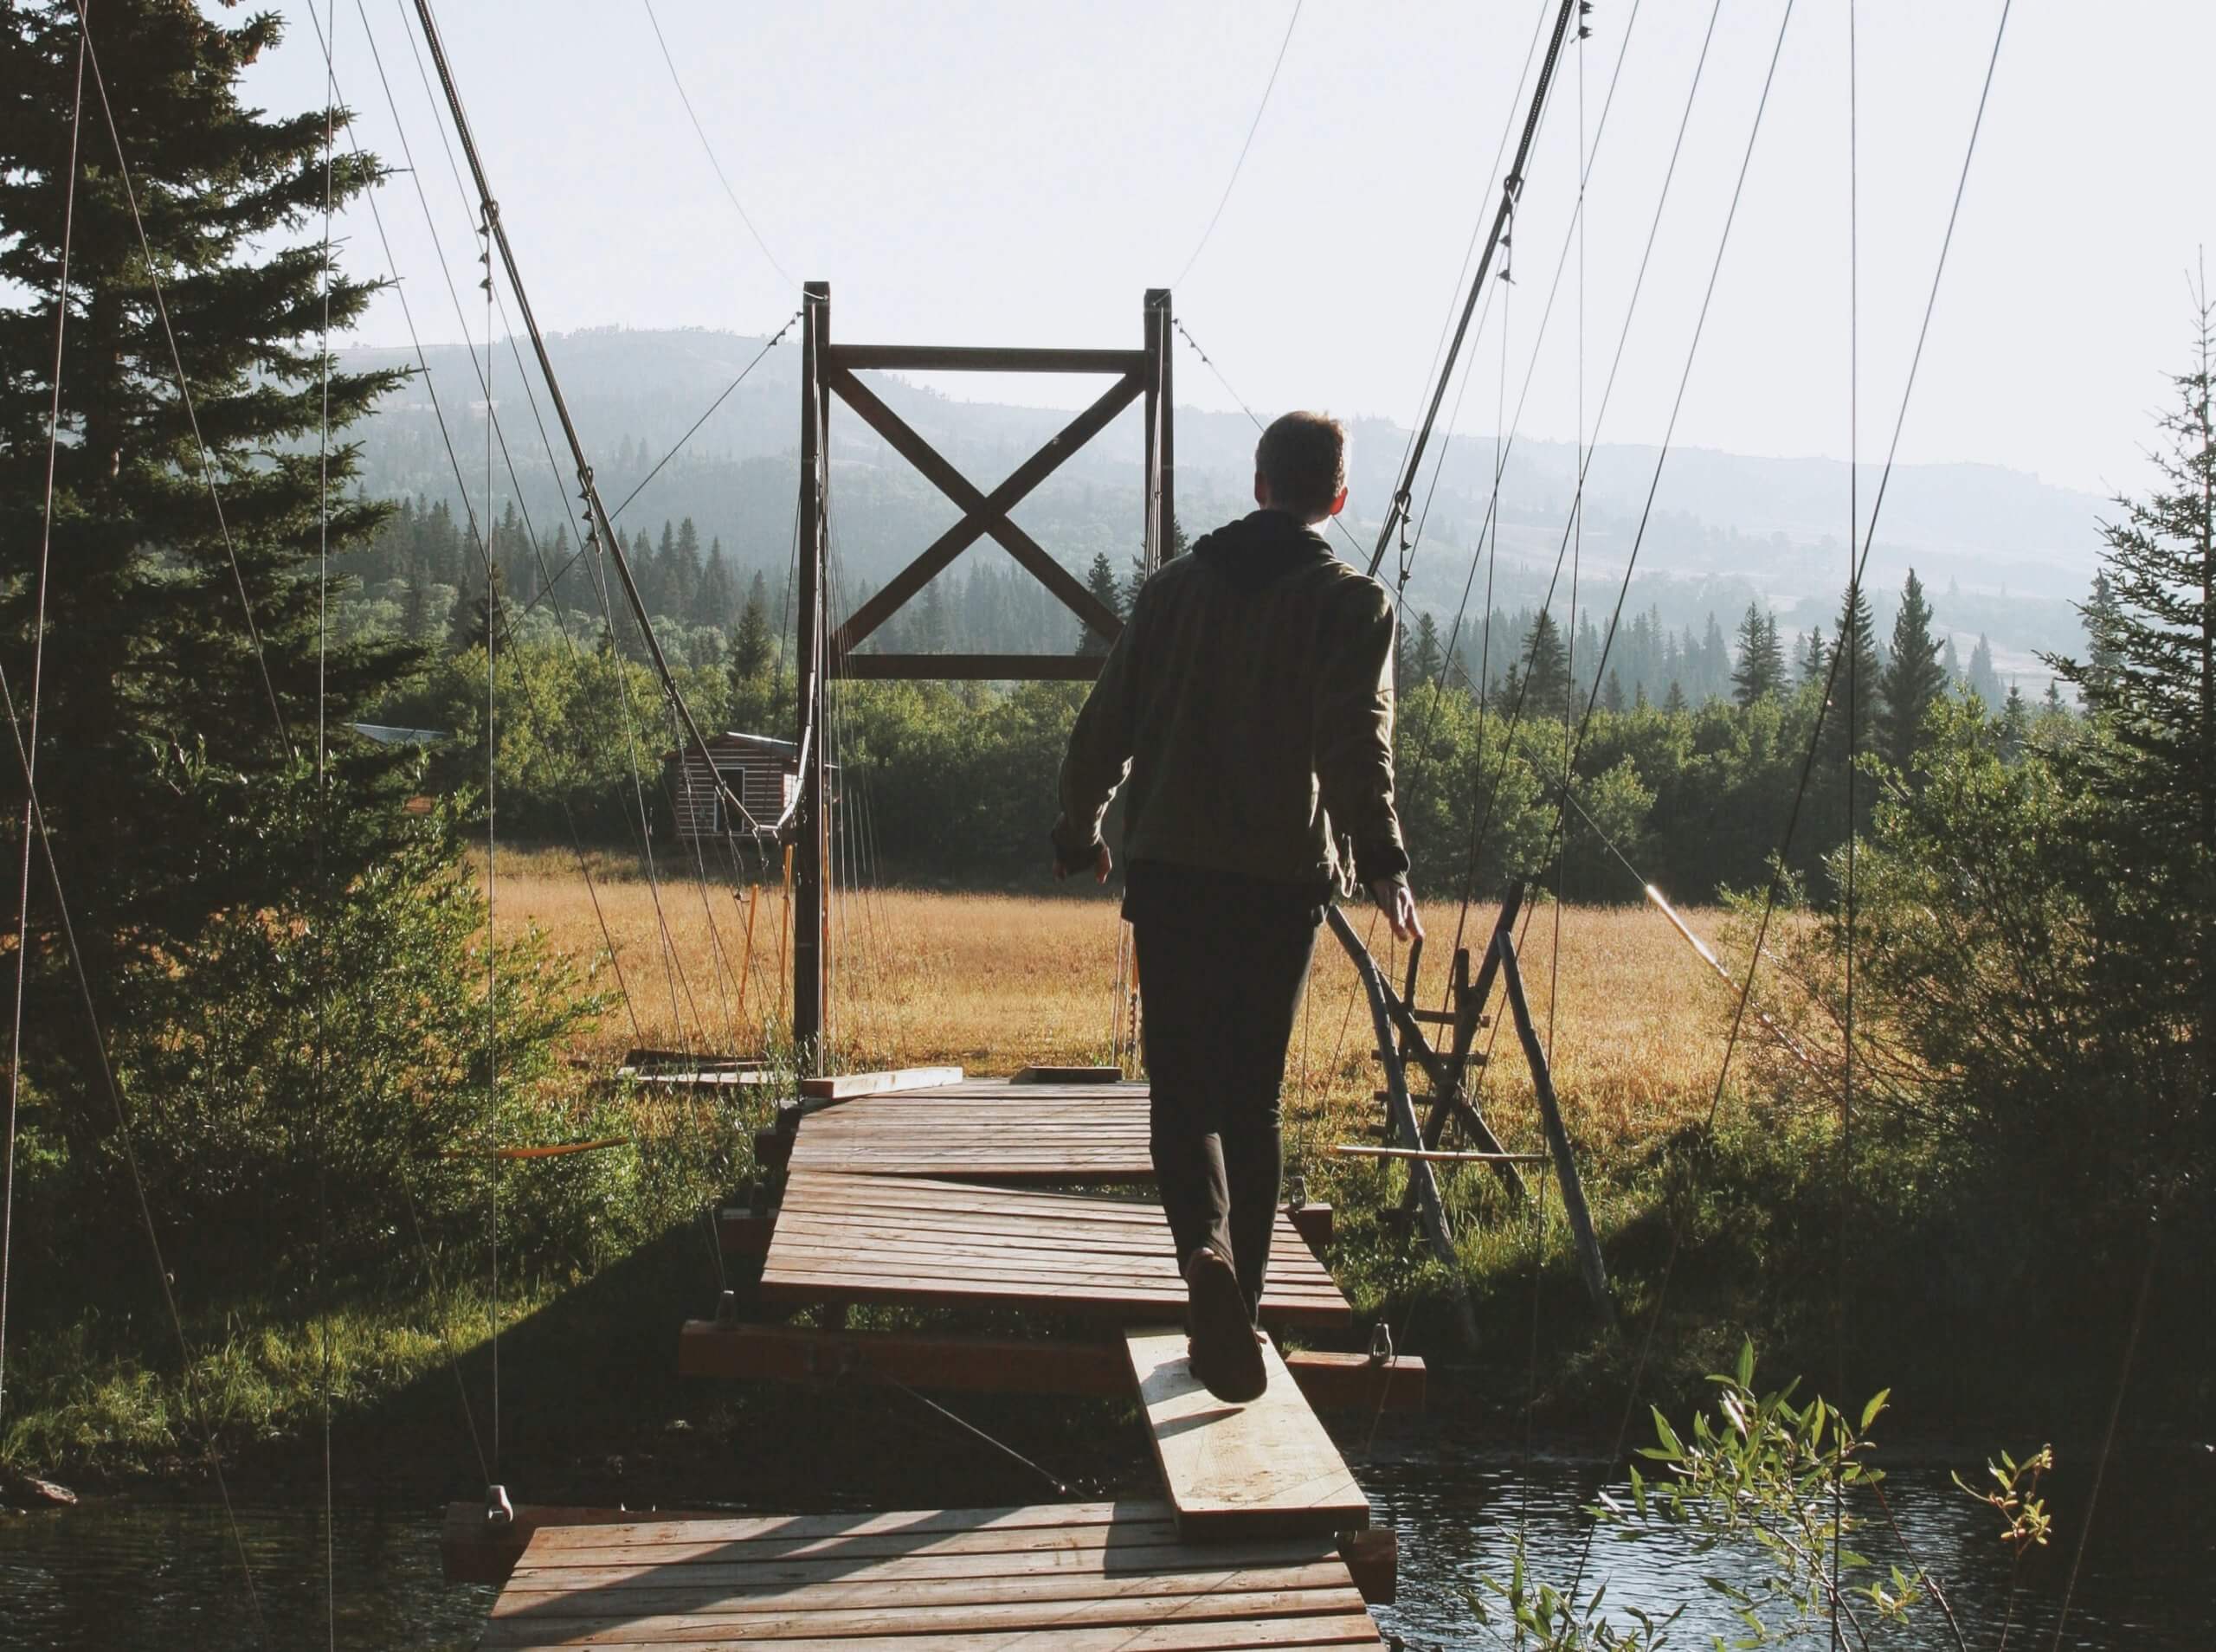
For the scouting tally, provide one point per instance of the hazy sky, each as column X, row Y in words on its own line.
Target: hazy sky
column 1019, row 172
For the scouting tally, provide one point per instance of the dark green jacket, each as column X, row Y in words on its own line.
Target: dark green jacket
column 1246, row 712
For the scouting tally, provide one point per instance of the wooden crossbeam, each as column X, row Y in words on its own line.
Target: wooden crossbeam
column 981, row 513
column 969, row 668
column 960, row 358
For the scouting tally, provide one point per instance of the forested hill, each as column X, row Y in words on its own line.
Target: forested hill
column 2002, row 554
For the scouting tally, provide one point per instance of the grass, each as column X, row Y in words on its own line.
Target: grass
column 1636, row 1024
column 991, row 983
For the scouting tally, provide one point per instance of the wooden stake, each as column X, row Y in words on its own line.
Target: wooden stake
column 1401, row 1113
column 1542, row 1084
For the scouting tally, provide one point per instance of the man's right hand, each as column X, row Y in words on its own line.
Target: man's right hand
column 1398, row 902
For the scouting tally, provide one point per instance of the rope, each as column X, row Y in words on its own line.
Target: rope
column 492, row 629
column 1254, row 127
column 708, row 149
column 184, row 391
column 1853, row 686
column 322, row 820
column 38, row 665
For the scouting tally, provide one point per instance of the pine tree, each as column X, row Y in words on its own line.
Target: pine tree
column 934, row 629
column 2015, row 724
column 681, row 576
column 752, row 645
column 717, row 596
column 472, row 620
column 1850, row 727
column 1815, row 659
column 2154, row 688
column 2103, row 617
column 1612, row 696
column 1425, row 657
column 1984, row 681
column 1912, row 680
column 1760, row 670
column 1673, row 702
column 1950, row 662
column 1100, row 580
column 153, row 706
column 1546, row 670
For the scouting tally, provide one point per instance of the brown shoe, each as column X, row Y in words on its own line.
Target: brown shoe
column 1223, row 1351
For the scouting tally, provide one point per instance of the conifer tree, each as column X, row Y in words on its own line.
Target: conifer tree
column 752, row 645
column 1815, row 660
column 153, row 703
column 1673, row 702
column 1425, row 657
column 1612, row 695
column 1912, row 679
column 1984, row 681
column 681, row 576
column 1108, row 591
column 2154, row 691
column 1546, row 670
column 717, row 596
column 1950, row 662
column 2015, row 724
column 1760, row 670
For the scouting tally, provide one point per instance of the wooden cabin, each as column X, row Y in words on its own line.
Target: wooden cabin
column 764, row 774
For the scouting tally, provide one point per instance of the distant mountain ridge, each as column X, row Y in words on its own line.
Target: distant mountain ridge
column 2002, row 552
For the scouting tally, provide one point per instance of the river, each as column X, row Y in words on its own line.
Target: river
column 122, row 1572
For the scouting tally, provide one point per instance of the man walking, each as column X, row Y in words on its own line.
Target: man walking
column 1246, row 713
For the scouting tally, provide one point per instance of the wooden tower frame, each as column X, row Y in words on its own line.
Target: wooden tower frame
column 827, row 645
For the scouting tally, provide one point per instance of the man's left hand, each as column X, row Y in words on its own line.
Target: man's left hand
column 1398, row 902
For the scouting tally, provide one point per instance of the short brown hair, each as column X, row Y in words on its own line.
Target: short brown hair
column 1303, row 457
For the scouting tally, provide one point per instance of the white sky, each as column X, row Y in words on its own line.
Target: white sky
column 1005, row 172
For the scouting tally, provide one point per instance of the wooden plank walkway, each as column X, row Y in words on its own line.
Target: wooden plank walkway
column 1265, row 1469
column 1078, row 1578
column 943, row 1244
column 986, row 1130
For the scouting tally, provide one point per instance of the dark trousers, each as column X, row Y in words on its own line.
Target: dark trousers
column 1222, row 963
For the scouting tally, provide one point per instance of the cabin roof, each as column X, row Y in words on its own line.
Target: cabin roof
column 733, row 744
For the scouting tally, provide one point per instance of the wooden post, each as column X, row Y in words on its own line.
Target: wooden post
column 1573, row 1192
column 1165, row 452
column 1402, row 1114
column 811, row 843
column 1154, row 325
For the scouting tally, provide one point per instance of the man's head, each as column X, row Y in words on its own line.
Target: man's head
column 1300, row 466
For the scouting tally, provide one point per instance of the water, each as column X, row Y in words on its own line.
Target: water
column 123, row 1573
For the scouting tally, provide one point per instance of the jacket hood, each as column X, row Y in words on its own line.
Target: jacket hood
column 1258, row 549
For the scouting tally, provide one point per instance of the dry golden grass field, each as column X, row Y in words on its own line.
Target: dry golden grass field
column 991, row 983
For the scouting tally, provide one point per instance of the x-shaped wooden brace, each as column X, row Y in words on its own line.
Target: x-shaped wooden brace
column 982, row 513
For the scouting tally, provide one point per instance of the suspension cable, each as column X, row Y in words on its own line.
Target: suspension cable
column 1769, row 905
column 1253, row 127
column 1511, row 188
column 497, row 233
column 184, row 390
column 38, row 665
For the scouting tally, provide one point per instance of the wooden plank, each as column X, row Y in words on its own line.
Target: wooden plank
column 1234, row 1471
column 1095, row 1576
column 851, row 1084
column 1335, row 1381
column 473, row 1551
column 958, row 358
column 967, row 668
column 1069, row 1076
column 1173, row 1636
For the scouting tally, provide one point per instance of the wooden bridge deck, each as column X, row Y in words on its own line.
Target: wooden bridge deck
column 1078, row 1578
column 943, row 1243
column 986, row 1130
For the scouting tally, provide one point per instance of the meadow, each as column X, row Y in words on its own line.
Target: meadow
column 992, row 982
